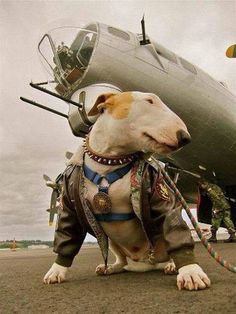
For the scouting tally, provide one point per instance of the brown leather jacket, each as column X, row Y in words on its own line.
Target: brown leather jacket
column 153, row 202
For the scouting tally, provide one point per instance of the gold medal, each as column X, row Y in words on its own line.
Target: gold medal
column 102, row 202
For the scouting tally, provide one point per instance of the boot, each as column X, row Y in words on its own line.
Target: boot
column 232, row 238
column 213, row 236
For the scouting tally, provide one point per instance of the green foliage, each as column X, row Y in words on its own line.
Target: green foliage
column 23, row 243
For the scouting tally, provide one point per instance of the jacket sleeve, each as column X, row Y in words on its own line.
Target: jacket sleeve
column 168, row 221
column 69, row 233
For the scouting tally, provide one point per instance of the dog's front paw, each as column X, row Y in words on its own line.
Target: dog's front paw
column 192, row 277
column 111, row 269
column 56, row 274
column 170, row 268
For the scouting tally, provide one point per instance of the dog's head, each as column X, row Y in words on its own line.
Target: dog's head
column 141, row 121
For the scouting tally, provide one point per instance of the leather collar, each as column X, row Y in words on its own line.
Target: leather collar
column 108, row 160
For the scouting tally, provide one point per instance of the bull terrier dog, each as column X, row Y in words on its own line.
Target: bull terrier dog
column 111, row 191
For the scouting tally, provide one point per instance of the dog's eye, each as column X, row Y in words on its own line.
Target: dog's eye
column 149, row 100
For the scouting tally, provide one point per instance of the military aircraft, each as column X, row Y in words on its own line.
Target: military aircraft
column 104, row 56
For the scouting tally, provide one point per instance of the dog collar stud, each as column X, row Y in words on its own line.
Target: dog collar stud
column 108, row 160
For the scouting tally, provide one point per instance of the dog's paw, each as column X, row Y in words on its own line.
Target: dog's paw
column 192, row 277
column 111, row 269
column 170, row 268
column 56, row 274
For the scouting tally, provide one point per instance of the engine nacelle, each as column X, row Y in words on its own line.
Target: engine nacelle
column 78, row 117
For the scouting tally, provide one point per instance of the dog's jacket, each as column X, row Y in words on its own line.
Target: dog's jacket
column 153, row 202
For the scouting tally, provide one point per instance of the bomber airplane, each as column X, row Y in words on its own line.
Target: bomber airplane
column 103, row 56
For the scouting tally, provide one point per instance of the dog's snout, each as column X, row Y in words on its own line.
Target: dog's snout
column 183, row 138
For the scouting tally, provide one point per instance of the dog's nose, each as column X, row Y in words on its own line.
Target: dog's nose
column 183, row 138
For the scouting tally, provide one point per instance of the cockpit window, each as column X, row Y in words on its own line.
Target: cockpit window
column 85, row 49
column 118, row 33
column 188, row 66
column 162, row 51
column 66, row 52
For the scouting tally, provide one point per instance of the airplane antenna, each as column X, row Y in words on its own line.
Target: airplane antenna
column 144, row 41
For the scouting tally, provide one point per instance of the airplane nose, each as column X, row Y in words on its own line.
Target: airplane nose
column 183, row 138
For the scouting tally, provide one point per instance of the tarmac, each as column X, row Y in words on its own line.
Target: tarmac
column 22, row 289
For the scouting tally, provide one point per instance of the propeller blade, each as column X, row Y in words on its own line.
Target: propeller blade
column 54, row 197
column 68, row 155
column 51, row 218
column 46, row 178
column 52, row 184
column 52, row 212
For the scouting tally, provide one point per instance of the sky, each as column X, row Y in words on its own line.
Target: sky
column 33, row 141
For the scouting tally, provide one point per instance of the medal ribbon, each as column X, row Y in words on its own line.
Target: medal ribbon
column 110, row 177
column 101, row 200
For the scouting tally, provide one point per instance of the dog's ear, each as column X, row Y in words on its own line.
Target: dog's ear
column 100, row 104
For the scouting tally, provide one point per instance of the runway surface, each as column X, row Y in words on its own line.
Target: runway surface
column 22, row 290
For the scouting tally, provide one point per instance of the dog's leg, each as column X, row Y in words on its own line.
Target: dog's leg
column 170, row 268
column 56, row 273
column 192, row 277
column 115, row 268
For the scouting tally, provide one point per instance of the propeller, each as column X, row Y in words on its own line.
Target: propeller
column 53, row 206
column 54, row 197
column 49, row 182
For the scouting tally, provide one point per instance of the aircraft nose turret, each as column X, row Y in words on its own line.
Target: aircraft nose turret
column 183, row 138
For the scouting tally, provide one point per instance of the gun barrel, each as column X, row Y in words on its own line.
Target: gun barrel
column 42, row 89
column 34, row 103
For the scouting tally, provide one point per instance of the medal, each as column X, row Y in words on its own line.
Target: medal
column 102, row 202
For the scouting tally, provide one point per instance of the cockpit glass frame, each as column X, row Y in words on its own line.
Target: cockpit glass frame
column 67, row 60
column 55, row 58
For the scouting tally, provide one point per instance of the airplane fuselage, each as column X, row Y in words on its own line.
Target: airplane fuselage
column 207, row 107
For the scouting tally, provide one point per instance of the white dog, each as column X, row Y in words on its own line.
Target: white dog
column 111, row 191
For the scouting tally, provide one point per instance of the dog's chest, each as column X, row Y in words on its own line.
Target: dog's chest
column 126, row 234
column 118, row 192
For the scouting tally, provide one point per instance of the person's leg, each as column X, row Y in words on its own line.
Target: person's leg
column 217, row 216
column 230, row 226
